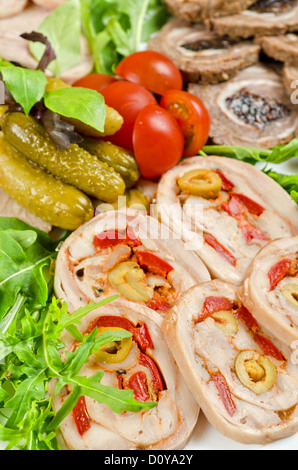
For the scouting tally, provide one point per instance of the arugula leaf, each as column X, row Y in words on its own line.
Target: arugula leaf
column 26, row 86
column 83, row 104
column 62, row 28
column 288, row 182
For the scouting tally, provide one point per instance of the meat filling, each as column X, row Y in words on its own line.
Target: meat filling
column 212, row 43
column 256, row 110
column 272, row 6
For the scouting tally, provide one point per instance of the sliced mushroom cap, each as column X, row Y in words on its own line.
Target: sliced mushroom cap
column 89, row 270
column 200, row 10
column 168, row 426
column 264, row 18
column 253, row 109
column 270, row 290
column 243, row 378
column 201, row 55
column 224, row 234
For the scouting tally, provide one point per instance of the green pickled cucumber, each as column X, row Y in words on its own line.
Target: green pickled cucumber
column 116, row 157
column 40, row 193
column 75, row 166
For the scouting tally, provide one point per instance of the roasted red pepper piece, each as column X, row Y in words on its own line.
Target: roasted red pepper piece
column 224, row 392
column 159, row 303
column 220, row 249
column 268, row 347
column 252, row 206
column 81, row 417
column 227, row 185
column 112, row 238
column 157, row 381
column 138, row 383
column 154, row 264
column 278, row 272
column 244, row 315
column 140, row 333
column 212, row 305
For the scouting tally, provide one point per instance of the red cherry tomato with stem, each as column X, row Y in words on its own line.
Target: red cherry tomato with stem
column 128, row 99
column 95, row 81
column 192, row 116
column 151, row 69
column 158, row 141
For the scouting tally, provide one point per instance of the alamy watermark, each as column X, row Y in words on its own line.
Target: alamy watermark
column 294, row 95
column 2, row 92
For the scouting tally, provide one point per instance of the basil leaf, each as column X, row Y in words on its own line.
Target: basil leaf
column 62, row 29
column 26, row 86
column 83, row 104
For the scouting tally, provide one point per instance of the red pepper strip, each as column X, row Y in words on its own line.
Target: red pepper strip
column 154, row 264
column 220, row 249
column 159, row 303
column 244, row 315
column 157, row 381
column 112, row 238
column 138, row 383
column 224, row 392
column 81, row 416
column 235, row 208
column 214, row 304
column 252, row 206
column 140, row 334
column 268, row 348
column 227, row 185
column 278, row 272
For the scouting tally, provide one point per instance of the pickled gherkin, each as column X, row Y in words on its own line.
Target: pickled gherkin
column 74, row 166
column 40, row 193
column 116, row 157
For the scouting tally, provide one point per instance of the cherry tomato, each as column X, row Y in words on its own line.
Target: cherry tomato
column 128, row 99
column 192, row 116
column 158, row 141
column 152, row 70
column 95, row 81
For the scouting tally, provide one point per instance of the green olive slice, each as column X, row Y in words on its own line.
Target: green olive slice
column 226, row 322
column 130, row 281
column 203, row 183
column 290, row 293
column 255, row 372
column 115, row 352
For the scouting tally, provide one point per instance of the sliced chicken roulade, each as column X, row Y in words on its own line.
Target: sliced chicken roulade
column 128, row 254
column 251, row 110
column 11, row 7
column 225, row 211
column 270, row 290
column 243, row 378
column 142, row 363
column 201, row 55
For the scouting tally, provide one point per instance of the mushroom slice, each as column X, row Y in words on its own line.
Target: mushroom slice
column 270, row 290
column 243, row 378
column 144, row 365
column 263, row 18
column 198, row 11
column 251, row 110
column 201, row 55
column 227, row 231
column 117, row 253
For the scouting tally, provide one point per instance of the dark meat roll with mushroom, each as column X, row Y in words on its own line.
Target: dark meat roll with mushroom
column 242, row 377
column 200, row 10
column 201, row 55
column 128, row 254
column 251, row 110
column 281, row 48
column 142, row 363
column 226, row 211
column 263, row 18
column 270, row 290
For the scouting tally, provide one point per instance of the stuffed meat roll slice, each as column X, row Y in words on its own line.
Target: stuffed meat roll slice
column 263, row 18
column 253, row 109
column 129, row 254
column 270, row 290
column 225, row 211
column 243, row 379
column 201, row 55
column 141, row 363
